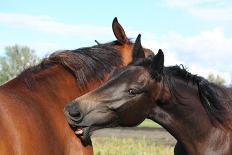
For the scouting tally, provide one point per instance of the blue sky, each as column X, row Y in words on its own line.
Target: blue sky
column 196, row 33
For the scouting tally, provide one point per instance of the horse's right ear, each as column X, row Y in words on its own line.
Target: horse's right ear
column 138, row 52
column 119, row 32
column 157, row 64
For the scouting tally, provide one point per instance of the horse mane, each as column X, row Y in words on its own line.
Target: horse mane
column 215, row 100
column 85, row 64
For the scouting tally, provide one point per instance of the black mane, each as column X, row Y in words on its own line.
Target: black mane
column 213, row 98
column 85, row 64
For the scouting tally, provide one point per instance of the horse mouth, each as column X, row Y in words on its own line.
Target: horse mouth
column 84, row 134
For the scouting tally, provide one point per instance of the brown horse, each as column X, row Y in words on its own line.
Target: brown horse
column 197, row 113
column 31, row 105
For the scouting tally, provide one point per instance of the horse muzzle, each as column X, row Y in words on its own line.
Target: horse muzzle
column 72, row 114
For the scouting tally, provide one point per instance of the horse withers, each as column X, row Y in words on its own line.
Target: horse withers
column 31, row 105
column 196, row 112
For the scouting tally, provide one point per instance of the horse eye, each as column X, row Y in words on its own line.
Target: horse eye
column 132, row 92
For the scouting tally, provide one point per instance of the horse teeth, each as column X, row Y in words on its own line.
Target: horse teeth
column 79, row 132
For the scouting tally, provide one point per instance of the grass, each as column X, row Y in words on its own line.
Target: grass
column 129, row 146
column 149, row 123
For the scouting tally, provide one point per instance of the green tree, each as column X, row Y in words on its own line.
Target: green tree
column 16, row 59
column 216, row 79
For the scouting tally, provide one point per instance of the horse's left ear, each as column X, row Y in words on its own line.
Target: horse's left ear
column 158, row 63
column 138, row 52
column 119, row 32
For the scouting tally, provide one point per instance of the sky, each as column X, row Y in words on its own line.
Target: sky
column 195, row 33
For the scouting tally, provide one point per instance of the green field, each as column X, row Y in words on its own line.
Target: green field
column 150, row 124
column 129, row 146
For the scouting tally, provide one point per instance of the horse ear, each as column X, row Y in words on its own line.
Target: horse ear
column 119, row 32
column 158, row 62
column 138, row 51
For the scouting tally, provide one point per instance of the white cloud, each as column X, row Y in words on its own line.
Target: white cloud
column 213, row 10
column 50, row 25
column 213, row 14
column 191, row 3
column 82, row 33
column 208, row 52
column 41, row 48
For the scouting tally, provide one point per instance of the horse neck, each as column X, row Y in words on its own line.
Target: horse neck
column 46, row 93
column 55, row 84
column 185, row 118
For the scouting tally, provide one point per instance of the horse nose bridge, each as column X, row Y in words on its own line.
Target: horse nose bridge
column 87, row 99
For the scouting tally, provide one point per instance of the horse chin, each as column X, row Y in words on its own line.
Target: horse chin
column 84, row 134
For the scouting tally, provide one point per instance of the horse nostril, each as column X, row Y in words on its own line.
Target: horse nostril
column 74, row 113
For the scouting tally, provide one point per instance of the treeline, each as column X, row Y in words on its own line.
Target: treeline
column 17, row 58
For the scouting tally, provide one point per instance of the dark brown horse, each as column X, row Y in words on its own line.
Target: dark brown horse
column 31, row 105
column 196, row 112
